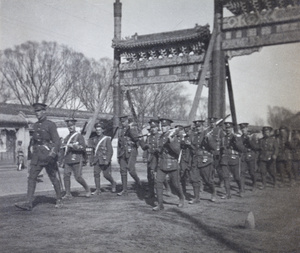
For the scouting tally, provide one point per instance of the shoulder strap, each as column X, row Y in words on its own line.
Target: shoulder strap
column 69, row 140
column 100, row 141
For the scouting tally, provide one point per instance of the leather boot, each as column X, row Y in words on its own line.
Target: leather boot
column 124, row 185
column 159, row 192
column 196, row 189
column 227, row 189
column 98, row 188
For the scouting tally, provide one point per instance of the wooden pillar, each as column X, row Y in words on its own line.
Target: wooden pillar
column 216, row 96
column 117, row 93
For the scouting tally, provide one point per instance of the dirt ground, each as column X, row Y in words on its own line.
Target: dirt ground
column 109, row 223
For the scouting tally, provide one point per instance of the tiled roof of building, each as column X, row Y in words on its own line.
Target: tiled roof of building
column 201, row 33
column 238, row 7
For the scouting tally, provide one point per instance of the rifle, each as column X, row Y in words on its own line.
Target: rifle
column 220, row 121
column 114, row 133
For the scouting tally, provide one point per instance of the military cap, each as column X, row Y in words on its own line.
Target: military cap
column 243, row 125
column 212, row 119
column 99, row 124
column 283, row 128
column 70, row 121
column 39, row 106
column 123, row 117
column 267, row 128
column 228, row 124
column 153, row 123
column 198, row 122
column 165, row 122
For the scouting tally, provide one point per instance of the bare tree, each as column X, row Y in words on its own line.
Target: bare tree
column 278, row 116
column 35, row 72
column 160, row 100
column 89, row 79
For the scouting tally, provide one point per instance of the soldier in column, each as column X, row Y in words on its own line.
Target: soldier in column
column 249, row 157
column 284, row 157
column 231, row 148
column 73, row 150
column 151, row 155
column 101, row 156
column 268, row 151
column 295, row 146
column 203, row 146
column 128, row 140
column 217, row 133
column 45, row 145
column 185, row 157
column 168, row 149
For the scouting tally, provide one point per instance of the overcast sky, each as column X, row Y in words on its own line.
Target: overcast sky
column 269, row 77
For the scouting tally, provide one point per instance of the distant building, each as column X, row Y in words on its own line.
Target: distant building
column 16, row 122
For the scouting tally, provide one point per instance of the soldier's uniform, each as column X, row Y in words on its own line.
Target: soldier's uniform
column 169, row 149
column 45, row 145
column 216, row 132
column 151, row 155
column 128, row 140
column 295, row 145
column 185, row 157
column 249, row 156
column 74, row 148
column 268, row 150
column 231, row 148
column 102, row 153
column 203, row 147
column 284, row 157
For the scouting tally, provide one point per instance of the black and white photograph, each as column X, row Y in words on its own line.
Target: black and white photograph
column 165, row 126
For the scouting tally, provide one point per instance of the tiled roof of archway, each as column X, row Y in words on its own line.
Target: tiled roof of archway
column 238, row 7
column 137, row 41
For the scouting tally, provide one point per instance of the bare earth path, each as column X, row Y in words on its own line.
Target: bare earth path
column 109, row 223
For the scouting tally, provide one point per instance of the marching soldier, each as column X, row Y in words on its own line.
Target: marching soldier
column 73, row 150
column 295, row 145
column 102, row 153
column 151, row 155
column 231, row 147
column 284, row 157
column 185, row 157
column 168, row 149
column 268, row 151
column 203, row 147
column 128, row 140
column 249, row 158
column 217, row 133
column 45, row 145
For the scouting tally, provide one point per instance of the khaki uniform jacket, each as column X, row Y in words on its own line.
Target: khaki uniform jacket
column 127, row 142
column 104, row 152
column 231, row 149
column 268, row 147
column 74, row 154
column 45, row 142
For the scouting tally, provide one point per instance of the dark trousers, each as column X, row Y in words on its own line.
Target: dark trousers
column 174, row 180
column 33, row 174
column 76, row 168
column 235, row 170
column 267, row 167
column 106, row 169
column 249, row 166
column 284, row 166
column 205, row 173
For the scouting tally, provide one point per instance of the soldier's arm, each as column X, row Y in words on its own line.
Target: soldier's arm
column 79, row 145
column 109, row 148
column 55, row 139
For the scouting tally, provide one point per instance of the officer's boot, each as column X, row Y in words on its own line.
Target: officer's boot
column 227, row 189
column 124, row 185
column 242, row 181
column 254, row 182
column 181, row 196
column 27, row 206
column 151, row 193
column 112, row 181
column 98, row 188
column 196, row 189
column 263, row 179
column 159, row 192
column 213, row 193
column 67, row 183
column 183, row 185
column 167, row 187
column 136, row 179
column 240, row 186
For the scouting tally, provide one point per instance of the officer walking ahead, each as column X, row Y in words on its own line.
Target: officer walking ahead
column 46, row 144
column 128, row 139
column 74, row 148
column 168, row 149
column 102, row 153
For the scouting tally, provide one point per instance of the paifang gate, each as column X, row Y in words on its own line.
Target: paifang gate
column 190, row 54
